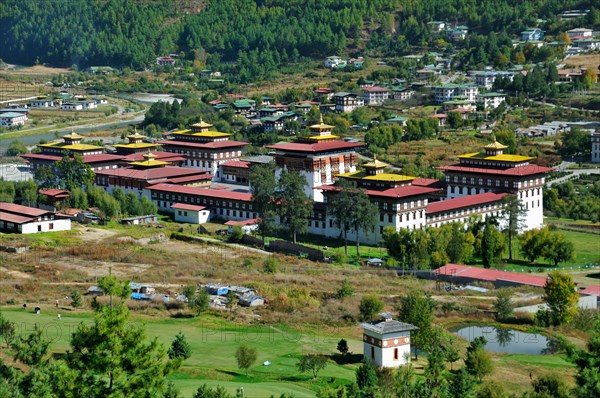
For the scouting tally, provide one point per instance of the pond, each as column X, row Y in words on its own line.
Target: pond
column 508, row 341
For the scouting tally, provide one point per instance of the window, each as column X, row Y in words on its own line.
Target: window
column 373, row 352
column 51, row 226
column 395, row 354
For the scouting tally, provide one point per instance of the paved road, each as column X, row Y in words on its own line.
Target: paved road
column 573, row 173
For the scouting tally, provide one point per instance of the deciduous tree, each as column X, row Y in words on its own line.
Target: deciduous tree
column 293, row 206
column 561, row 296
column 313, row 363
column 245, row 357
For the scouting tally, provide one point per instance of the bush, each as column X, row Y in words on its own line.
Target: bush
column 270, row 265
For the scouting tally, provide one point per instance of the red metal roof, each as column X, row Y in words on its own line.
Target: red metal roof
column 398, row 192
column 56, row 193
column 426, row 182
column 14, row 218
column 162, row 156
column 376, row 89
column 103, row 157
column 520, row 171
column 41, row 156
column 152, row 173
column 22, row 210
column 208, row 145
column 324, row 146
column 185, row 206
column 465, row 201
column 214, row 193
column 242, row 164
column 491, row 275
column 200, row 177
column 591, row 290
column 251, row 221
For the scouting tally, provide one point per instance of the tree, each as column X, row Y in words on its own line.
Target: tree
column 180, row 348
column 73, row 172
column 366, row 217
column 435, row 371
column 491, row 389
column 574, row 142
column 262, row 186
column 587, row 363
column 532, row 243
column 112, row 357
column 561, row 296
column 342, row 346
column 345, row 290
column 312, row 362
column 245, row 357
column 462, row 384
column 416, row 308
column 75, row 299
column 478, row 360
column 293, row 206
column 199, row 303
column 205, row 391
column 503, row 305
column 455, row 120
column 369, row 307
column 15, row 148
column 7, row 330
column 557, row 248
column 492, row 243
column 30, row 350
column 514, row 213
column 366, row 377
column 550, row 386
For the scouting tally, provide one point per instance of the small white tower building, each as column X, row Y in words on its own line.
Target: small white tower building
column 386, row 342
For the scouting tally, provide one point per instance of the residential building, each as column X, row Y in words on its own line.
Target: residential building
column 27, row 220
column 165, row 61
column 319, row 158
column 493, row 171
column 458, row 33
column 487, row 78
column 580, row 33
column 402, row 93
column 11, row 119
column 189, row 213
column 386, row 342
column 71, row 106
column 448, row 92
column 438, row 26
column 333, row 62
column 346, row 102
column 490, row 100
column 42, row 102
column 376, row 95
column 595, row 139
column 203, row 148
column 324, row 94
column 587, row 44
column 532, row 34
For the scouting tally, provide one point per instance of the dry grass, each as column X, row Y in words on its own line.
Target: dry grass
column 585, row 60
column 36, row 70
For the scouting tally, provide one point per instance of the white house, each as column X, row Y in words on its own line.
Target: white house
column 12, row 119
column 580, row 33
column 71, row 106
column 247, row 226
column 490, row 100
column 188, row 213
column 42, row 103
column 333, row 61
column 28, row 220
column 376, row 95
column 386, row 342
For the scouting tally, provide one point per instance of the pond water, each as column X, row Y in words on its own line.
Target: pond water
column 508, row 341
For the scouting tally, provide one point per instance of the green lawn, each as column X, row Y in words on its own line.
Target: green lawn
column 214, row 342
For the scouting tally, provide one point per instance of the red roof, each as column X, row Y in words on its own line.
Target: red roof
column 398, row 192
column 530, row 169
column 491, row 275
column 242, row 164
column 192, row 178
column 56, row 193
column 323, row 146
column 22, row 210
column 162, row 156
column 323, row 90
column 208, row 145
column 251, row 221
column 15, row 218
column 465, row 201
column 214, row 193
column 103, row 157
column 41, row 156
column 426, row 182
column 185, row 206
column 153, row 173
column 591, row 290
column 439, row 116
column 376, row 89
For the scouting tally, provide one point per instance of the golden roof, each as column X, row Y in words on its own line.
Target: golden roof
column 136, row 145
column 389, row 177
column 375, row 164
column 321, row 126
column 149, row 161
column 495, row 145
column 73, row 136
column 136, row 136
column 201, row 124
column 323, row 137
column 500, row 158
column 72, row 147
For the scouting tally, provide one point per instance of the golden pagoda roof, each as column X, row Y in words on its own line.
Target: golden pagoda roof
column 388, row 177
column 201, row 124
column 149, row 161
column 500, row 158
column 495, row 145
column 321, row 126
column 375, row 164
column 73, row 136
column 136, row 136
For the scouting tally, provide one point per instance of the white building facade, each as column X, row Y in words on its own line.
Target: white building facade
column 386, row 343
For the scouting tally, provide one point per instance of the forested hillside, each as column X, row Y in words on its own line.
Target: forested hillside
column 259, row 35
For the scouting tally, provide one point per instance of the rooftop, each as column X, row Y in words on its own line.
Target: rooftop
column 520, row 171
column 384, row 326
column 490, row 275
column 186, row 206
column 215, row 193
column 464, row 202
column 22, row 210
column 323, row 146
column 501, row 158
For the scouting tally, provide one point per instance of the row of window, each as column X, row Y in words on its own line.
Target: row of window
column 200, row 201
